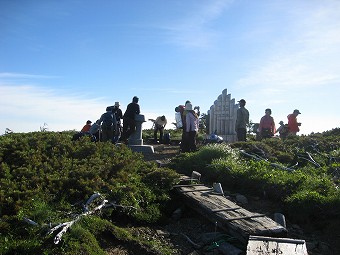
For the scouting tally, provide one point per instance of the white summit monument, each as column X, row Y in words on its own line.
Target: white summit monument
column 222, row 117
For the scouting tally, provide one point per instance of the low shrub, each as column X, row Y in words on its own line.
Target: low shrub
column 45, row 177
column 269, row 172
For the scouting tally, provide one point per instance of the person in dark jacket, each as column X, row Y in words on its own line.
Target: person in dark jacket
column 184, row 143
column 108, row 124
column 119, row 117
column 242, row 120
column 129, row 122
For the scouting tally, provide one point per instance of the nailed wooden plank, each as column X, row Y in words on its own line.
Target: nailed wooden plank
column 225, row 209
column 273, row 239
column 246, row 217
column 214, row 193
column 215, row 209
column 259, row 245
column 197, row 190
column 188, row 185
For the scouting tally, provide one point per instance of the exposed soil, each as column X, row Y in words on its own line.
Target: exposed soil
column 187, row 232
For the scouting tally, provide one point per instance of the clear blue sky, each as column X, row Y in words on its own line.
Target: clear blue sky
column 63, row 61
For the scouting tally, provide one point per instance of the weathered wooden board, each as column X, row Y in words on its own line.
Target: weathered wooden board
column 229, row 216
column 259, row 245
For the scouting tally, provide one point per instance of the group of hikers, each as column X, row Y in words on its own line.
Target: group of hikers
column 115, row 126
column 266, row 128
column 112, row 125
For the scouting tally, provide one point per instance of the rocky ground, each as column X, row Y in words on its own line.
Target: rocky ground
column 189, row 233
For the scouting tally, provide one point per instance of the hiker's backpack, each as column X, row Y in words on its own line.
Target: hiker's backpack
column 285, row 130
column 167, row 139
column 107, row 119
column 178, row 118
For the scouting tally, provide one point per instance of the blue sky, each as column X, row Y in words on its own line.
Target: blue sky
column 63, row 61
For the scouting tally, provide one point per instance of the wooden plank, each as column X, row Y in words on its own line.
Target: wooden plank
column 282, row 240
column 188, row 185
column 259, row 245
column 197, row 190
column 190, row 180
column 216, row 193
column 215, row 209
column 246, row 217
column 226, row 209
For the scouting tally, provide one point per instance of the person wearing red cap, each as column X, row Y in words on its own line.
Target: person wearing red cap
column 293, row 125
column 242, row 120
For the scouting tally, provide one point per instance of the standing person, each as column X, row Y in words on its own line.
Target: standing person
column 293, row 125
column 129, row 122
column 242, row 120
column 267, row 125
column 191, row 127
column 160, row 124
column 119, row 118
column 108, row 123
column 178, row 117
column 282, row 130
column 87, row 127
column 182, row 111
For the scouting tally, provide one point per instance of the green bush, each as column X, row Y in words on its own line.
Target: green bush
column 306, row 205
column 46, row 177
column 309, row 185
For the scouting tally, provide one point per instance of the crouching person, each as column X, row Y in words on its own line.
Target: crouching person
column 160, row 124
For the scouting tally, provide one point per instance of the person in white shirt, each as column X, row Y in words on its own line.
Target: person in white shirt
column 191, row 128
column 160, row 124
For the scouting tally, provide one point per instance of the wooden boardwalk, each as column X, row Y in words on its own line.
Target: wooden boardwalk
column 228, row 216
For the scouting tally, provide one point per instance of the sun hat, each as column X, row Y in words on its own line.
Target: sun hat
column 117, row 104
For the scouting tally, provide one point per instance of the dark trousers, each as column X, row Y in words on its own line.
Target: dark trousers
column 161, row 133
column 184, row 141
column 266, row 133
column 191, row 136
column 118, row 133
column 241, row 134
column 129, row 126
column 107, row 132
